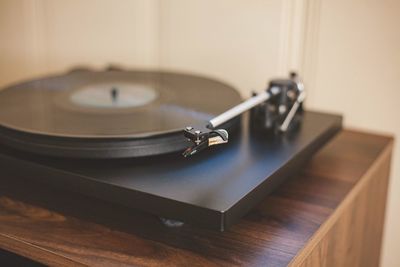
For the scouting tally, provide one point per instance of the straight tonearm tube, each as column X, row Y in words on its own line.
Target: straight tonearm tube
column 274, row 110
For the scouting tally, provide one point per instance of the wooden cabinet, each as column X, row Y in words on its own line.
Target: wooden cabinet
column 330, row 214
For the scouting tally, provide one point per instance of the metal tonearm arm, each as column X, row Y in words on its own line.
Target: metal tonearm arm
column 242, row 107
column 282, row 91
column 213, row 136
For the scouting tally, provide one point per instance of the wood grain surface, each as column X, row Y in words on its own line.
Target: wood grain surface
column 330, row 214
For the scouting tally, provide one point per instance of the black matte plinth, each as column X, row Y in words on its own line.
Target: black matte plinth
column 212, row 189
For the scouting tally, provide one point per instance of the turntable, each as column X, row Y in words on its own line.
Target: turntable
column 185, row 148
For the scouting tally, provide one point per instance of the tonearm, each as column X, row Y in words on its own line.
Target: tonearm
column 273, row 110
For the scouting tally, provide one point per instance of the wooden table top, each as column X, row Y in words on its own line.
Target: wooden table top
column 62, row 228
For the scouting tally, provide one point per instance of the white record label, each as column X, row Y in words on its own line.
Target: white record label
column 111, row 95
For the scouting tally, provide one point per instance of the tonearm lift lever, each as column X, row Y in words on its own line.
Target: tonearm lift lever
column 274, row 110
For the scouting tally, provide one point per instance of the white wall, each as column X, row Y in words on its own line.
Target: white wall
column 347, row 51
column 17, row 42
column 224, row 39
column 42, row 36
column 234, row 40
column 357, row 73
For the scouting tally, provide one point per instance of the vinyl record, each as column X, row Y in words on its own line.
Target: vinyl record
column 109, row 114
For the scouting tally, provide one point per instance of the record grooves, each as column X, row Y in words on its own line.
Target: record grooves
column 110, row 114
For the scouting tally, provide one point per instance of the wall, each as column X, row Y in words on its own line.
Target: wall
column 17, row 59
column 223, row 39
column 357, row 73
column 347, row 51
column 44, row 36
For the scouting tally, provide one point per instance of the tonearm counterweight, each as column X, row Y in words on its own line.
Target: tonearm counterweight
column 273, row 110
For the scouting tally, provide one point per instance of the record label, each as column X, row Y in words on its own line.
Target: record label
column 114, row 95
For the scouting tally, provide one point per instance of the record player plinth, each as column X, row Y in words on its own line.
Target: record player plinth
column 316, row 217
column 213, row 189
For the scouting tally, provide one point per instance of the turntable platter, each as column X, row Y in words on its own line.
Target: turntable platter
column 109, row 113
